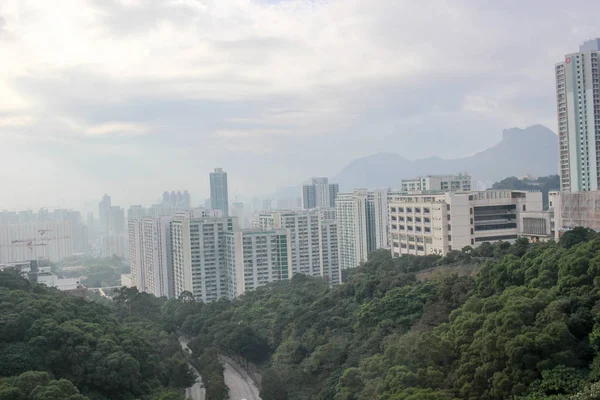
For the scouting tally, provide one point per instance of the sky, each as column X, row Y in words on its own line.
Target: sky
column 134, row 97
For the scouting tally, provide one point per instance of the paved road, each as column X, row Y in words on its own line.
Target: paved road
column 239, row 382
column 196, row 392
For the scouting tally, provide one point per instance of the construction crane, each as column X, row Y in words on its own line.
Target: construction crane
column 27, row 242
column 32, row 242
column 47, row 239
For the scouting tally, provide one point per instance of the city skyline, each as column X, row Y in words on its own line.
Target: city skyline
column 142, row 103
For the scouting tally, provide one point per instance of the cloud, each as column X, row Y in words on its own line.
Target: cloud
column 272, row 91
column 117, row 128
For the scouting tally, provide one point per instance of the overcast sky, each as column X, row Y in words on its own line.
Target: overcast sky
column 134, row 97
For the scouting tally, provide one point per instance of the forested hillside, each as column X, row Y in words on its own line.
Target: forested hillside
column 53, row 346
column 525, row 328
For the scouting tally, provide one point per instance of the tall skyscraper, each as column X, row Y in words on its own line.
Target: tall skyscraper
column 578, row 108
column 219, row 199
column 328, row 251
column 116, row 220
column 157, row 256
column 304, row 237
column 255, row 258
column 199, row 264
column 320, row 193
column 104, row 214
column 136, row 253
column 361, row 226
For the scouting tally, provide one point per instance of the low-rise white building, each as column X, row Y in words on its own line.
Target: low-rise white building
column 438, row 183
column 255, row 258
column 537, row 225
column 423, row 224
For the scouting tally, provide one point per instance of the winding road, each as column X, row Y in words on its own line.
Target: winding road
column 195, row 392
column 240, row 384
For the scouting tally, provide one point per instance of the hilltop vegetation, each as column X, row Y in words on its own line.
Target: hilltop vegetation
column 526, row 327
column 53, row 346
column 544, row 184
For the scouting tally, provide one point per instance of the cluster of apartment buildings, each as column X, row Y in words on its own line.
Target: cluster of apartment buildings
column 208, row 253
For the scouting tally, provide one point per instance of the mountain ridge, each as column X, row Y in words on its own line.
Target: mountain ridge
column 511, row 156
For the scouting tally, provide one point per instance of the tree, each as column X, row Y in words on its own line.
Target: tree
column 575, row 236
column 272, row 387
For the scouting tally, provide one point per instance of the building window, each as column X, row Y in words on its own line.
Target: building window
column 472, row 241
column 449, row 227
column 417, row 210
column 524, row 207
column 495, row 238
column 448, row 207
column 471, row 210
column 448, row 217
column 449, row 238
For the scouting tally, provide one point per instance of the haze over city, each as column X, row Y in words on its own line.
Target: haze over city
column 135, row 97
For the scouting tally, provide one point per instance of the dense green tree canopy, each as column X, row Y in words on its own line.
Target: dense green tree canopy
column 123, row 352
column 526, row 327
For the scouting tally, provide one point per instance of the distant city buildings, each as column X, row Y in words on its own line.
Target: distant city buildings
column 176, row 201
column 112, row 229
column 438, row 183
column 51, row 240
column 219, row 198
column 578, row 109
column 114, row 246
column 104, row 214
column 320, row 193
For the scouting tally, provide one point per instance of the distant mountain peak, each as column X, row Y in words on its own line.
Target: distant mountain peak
column 512, row 156
column 533, row 130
